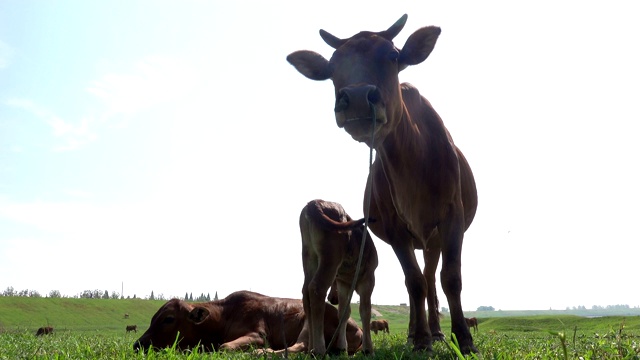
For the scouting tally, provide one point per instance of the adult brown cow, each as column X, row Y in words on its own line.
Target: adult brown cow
column 472, row 323
column 45, row 330
column 241, row 321
column 423, row 191
column 331, row 242
column 133, row 328
column 380, row 325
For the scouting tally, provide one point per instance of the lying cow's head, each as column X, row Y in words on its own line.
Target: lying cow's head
column 174, row 317
column 364, row 69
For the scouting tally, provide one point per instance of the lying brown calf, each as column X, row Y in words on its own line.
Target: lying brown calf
column 241, row 321
column 331, row 243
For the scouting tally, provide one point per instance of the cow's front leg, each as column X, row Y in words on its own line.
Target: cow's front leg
column 417, row 289
column 431, row 259
column 253, row 339
column 452, row 232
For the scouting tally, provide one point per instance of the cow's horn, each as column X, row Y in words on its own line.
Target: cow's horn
column 395, row 29
column 331, row 40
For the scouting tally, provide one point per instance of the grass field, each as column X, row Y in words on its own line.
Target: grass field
column 95, row 329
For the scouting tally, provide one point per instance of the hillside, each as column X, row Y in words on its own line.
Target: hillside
column 66, row 314
column 78, row 314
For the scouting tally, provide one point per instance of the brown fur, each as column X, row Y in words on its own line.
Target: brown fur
column 424, row 193
column 133, row 328
column 329, row 256
column 472, row 323
column 241, row 321
column 45, row 330
column 380, row 325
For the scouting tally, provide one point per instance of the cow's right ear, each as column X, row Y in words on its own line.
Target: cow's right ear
column 311, row 64
column 198, row 315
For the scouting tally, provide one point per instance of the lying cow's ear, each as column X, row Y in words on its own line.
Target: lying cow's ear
column 418, row 46
column 311, row 64
column 198, row 314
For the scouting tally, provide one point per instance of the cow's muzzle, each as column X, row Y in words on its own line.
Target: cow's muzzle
column 355, row 103
column 137, row 346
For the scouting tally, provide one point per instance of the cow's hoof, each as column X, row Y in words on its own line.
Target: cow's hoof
column 334, row 351
column 437, row 336
column 422, row 346
column 368, row 352
column 468, row 349
column 427, row 351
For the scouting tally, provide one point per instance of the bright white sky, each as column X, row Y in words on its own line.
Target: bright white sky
column 170, row 146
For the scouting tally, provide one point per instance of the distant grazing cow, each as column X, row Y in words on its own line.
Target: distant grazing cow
column 380, row 325
column 241, row 321
column 126, row 316
column 45, row 330
column 423, row 191
column 330, row 250
column 472, row 323
column 133, row 328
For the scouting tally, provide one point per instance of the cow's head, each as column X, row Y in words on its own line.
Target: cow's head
column 175, row 317
column 364, row 69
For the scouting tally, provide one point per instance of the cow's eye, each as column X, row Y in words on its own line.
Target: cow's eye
column 394, row 55
column 168, row 320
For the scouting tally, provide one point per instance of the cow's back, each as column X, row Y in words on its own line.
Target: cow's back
column 245, row 311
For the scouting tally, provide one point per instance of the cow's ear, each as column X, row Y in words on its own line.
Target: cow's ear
column 311, row 64
column 418, row 46
column 198, row 314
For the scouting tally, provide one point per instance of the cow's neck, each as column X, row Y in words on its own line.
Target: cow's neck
column 417, row 149
column 213, row 326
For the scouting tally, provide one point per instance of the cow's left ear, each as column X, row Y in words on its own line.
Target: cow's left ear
column 198, row 314
column 418, row 46
column 311, row 64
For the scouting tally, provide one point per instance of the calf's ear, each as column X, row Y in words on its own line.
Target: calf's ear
column 418, row 46
column 198, row 315
column 311, row 64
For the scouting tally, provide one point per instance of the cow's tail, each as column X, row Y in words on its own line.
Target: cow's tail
column 316, row 213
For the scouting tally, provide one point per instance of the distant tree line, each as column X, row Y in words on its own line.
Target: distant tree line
column 99, row 294
column 201, row 298
column 486, row 308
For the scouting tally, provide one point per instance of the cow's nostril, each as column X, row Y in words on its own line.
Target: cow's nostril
column 342, row 102
column 374, row 96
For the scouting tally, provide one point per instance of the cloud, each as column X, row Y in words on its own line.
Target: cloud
column 6, row 55
column 154, row 80
column 70, row 136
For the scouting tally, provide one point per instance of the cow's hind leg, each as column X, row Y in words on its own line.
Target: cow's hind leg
column 344, row 309
column 318, row 287
column 309, row 264
column 365, row 289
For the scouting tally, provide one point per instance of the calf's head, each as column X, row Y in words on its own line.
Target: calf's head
column 364, row 69
column 179, row 320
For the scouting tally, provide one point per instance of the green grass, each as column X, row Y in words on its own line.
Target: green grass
column 95, row 329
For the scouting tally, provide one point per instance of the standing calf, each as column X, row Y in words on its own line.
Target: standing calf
column 380, row 325
column 45, row 330
column 330, row 250
column 133, row 328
